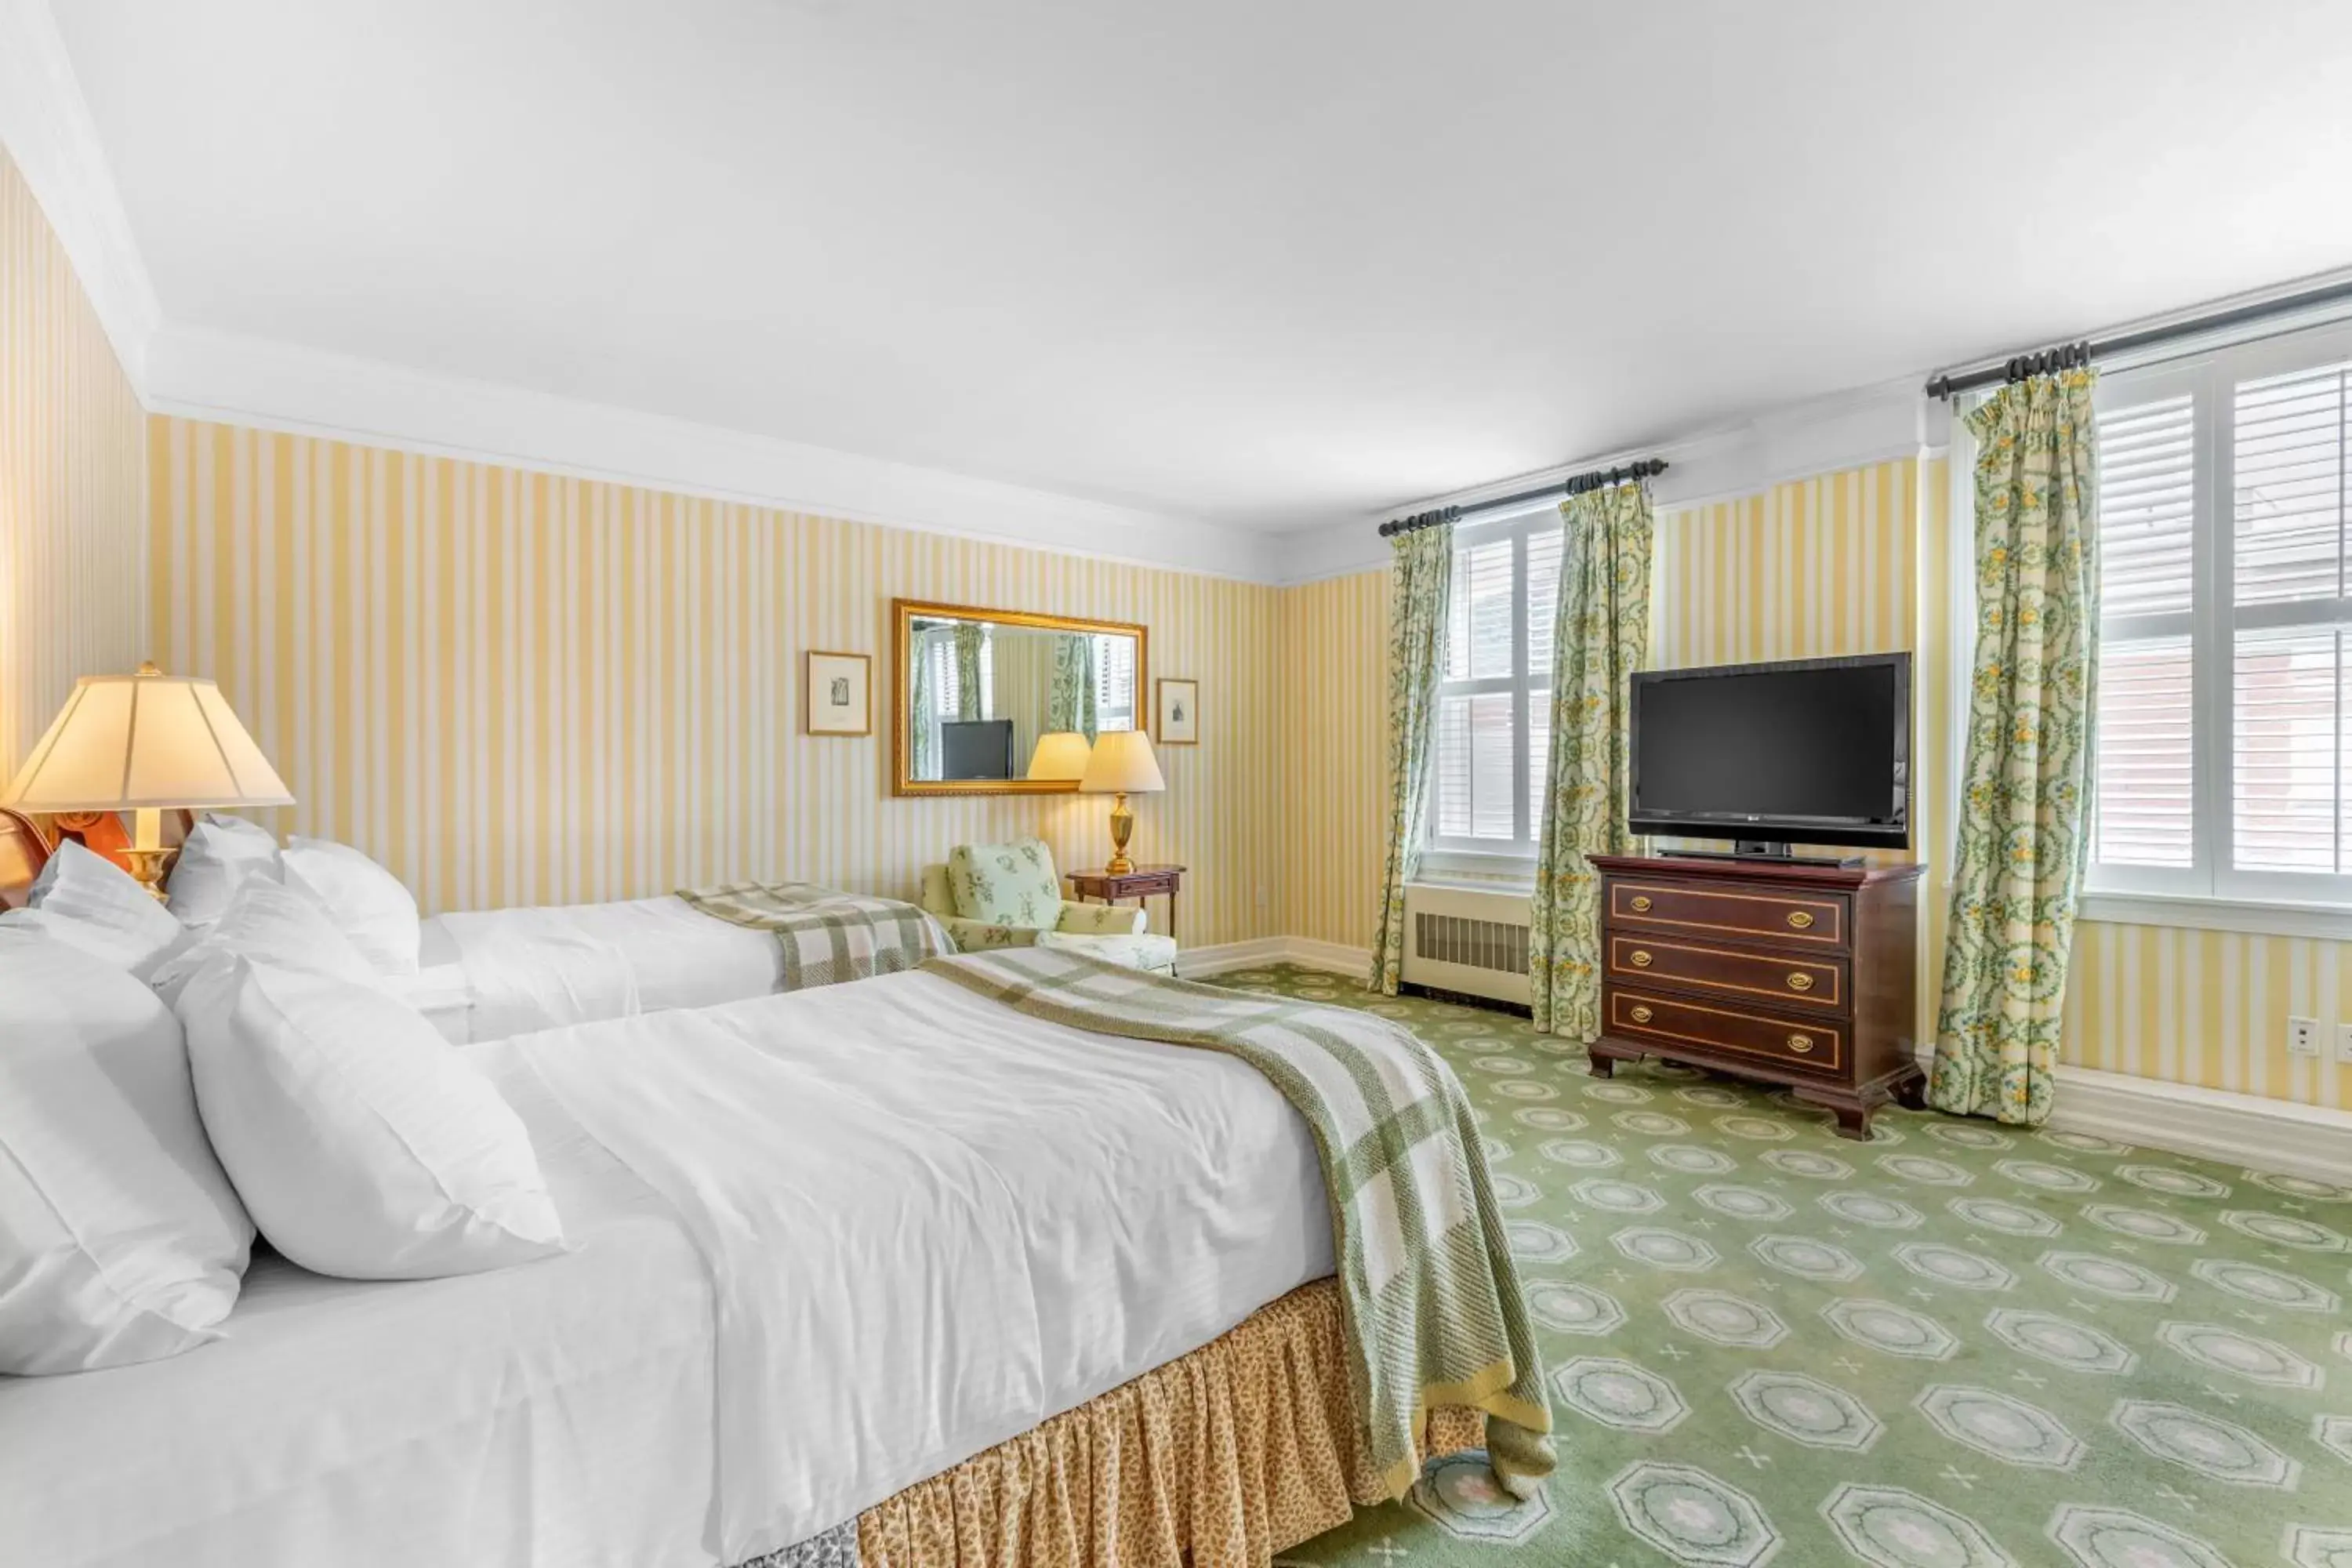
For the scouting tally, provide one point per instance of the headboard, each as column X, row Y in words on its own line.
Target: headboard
column 26, row 843
column 23, row 852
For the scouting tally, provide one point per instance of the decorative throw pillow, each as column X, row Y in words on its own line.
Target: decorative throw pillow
column 363, row 1144
column 121, row 1239
column 1006, row 884
column 272, row 925
column 219, row 855
column 373, row 908
column 92, row 903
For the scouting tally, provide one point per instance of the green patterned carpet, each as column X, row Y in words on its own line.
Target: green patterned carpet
column 1957, row 1346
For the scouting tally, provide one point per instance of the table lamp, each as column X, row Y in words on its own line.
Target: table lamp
column 1060, row 757
column 1123, row 764
column 142, row 743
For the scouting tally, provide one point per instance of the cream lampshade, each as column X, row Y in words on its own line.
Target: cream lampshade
column 141, row 743
column 1123, row 764
column 1061, row 755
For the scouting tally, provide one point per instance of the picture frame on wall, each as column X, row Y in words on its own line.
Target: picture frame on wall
column 840, row 699
column 1179, row 715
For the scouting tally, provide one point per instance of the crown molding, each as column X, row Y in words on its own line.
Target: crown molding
column 310, row 392
column 47, row 128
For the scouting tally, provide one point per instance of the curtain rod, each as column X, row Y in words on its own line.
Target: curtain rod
column 1598, row 478
column 1950, row 383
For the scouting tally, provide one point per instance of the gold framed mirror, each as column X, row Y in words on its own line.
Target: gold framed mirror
column 975, row 691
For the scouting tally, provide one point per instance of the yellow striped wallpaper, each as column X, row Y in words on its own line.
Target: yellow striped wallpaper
column 1334, row 680
column 515, row 688
column 2207, row 1008
column 72, row 484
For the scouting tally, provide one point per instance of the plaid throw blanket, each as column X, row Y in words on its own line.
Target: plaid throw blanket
column 828, row 936
column 1431, row 1296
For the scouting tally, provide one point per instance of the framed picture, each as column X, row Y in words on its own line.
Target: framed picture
column 1179, row 712
column 840, row 694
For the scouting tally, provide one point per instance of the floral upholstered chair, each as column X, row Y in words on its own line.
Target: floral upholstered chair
column 1009, row 895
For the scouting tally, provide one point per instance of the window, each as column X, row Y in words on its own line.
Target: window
column 1494, row 695
column 1115, row 684
column 2224, row 716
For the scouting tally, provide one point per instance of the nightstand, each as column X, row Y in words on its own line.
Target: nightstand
column 1109, row 887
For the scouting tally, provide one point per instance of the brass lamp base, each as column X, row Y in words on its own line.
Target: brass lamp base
column 147, row 853
column 1122, row 828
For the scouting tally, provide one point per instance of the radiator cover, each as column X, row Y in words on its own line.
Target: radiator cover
column 1466, row 940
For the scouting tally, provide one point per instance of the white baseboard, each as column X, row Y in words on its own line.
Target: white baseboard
column 2242, row 1129
column 1199, row 963
column 2245, row 1130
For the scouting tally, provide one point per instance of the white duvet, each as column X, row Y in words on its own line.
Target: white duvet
column 920, row 1224
column 576, row 964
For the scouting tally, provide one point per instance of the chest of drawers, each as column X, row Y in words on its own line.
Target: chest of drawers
column 1798, row 975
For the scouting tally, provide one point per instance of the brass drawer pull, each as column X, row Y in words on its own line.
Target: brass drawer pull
column 1641, row 958
column 1801, row 983
column 1638, row 904
column 1800, row 1043
column 1800, row 919
column 1642, row 1015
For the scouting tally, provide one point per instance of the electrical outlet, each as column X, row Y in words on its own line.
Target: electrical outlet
column 2303, row 1037
column 2343, row 1044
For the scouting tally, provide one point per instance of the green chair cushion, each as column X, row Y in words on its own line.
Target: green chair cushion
column 1006, row 884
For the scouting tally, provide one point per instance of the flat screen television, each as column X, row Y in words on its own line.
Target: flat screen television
column 1809, row 751
column 976, row 749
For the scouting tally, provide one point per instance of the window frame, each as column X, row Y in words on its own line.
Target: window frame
column 2210, row 378
column 1464, row 855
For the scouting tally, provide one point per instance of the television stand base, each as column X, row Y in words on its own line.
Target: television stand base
column 1767, row 850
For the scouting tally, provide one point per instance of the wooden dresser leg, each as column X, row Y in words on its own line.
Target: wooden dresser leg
column 1604, row 1060
column 1853, row 1114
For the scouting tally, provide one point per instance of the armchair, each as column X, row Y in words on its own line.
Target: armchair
column 1106, row 931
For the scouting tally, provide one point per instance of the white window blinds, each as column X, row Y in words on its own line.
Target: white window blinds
column 1494, row 700
column 2225, row 706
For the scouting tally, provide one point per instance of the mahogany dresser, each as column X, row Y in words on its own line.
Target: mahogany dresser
column 1794, row 974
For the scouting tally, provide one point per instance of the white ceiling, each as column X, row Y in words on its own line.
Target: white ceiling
column 1260, row 265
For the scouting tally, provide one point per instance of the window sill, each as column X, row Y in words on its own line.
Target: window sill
column 1475, row 871
column 2256, row 917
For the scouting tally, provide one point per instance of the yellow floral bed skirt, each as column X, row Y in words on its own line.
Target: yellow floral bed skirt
column 1221, row 1458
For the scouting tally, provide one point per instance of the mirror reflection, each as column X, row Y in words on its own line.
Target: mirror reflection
column 978, row 691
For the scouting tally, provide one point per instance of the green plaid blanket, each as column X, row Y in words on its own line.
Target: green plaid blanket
column 1431, row 1295
column 828, row 936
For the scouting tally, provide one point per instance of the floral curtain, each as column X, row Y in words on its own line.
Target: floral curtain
column 1073, row 704
column 2026, row 786
column 972, row 700
column 922, row 718
column 1420, row 576
column 1600, row 632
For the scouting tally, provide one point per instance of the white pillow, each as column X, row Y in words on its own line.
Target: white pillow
column 269, row 924
column 363, row 1144
column 121, row 1239
column 214, row 861
column 371, row 905
column 94, row 904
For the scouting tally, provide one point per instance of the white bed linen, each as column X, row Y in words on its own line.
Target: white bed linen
column 556, row 1415
column 576, row 964
column 934, row 1222
column 921, row 1223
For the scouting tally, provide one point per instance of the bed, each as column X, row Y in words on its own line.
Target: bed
column 525, row 969
column 969, row 1257
column 875, row 1275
